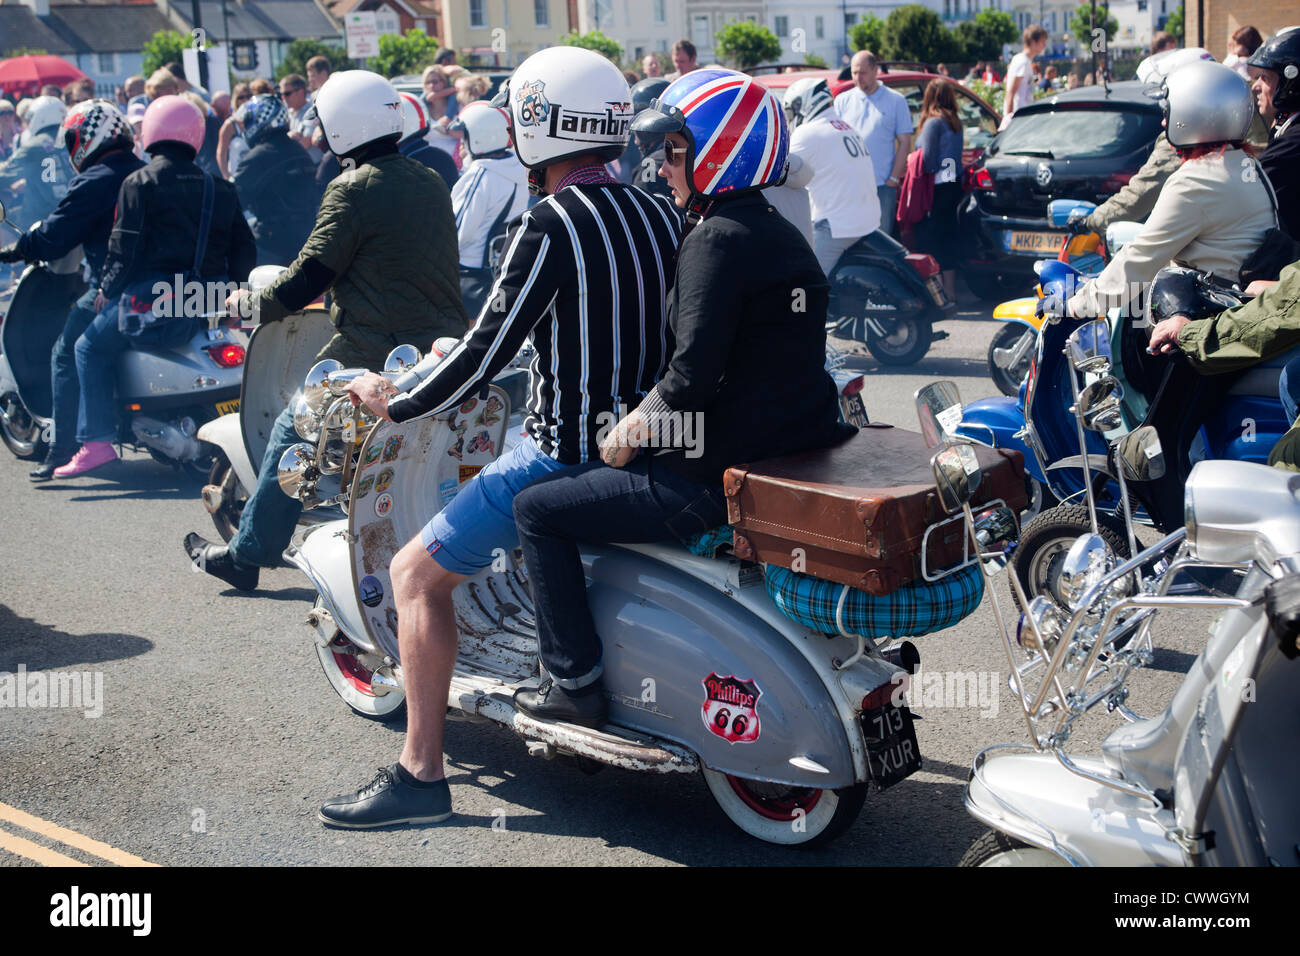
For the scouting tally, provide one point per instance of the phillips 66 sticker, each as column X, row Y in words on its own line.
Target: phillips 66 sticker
column 731, row 708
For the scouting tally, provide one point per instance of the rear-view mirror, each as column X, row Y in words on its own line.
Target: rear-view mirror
column 938, row 406
column 956, row 474
column 1090, row 346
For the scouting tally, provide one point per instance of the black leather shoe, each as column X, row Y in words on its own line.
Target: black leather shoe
column 385, row 801
column 45, row 470
column 217, row 561
column 550, row 702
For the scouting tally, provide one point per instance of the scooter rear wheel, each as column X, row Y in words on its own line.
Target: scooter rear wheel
column 785, row 815
column 347, row 673
column 20, row 432
column 995, row 848
column 906, row 345
column 1008, row 378
column 233, row 497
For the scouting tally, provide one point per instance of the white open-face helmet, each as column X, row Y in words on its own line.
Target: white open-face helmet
column 45, row 111
column 415, row 118
column 566, row 101
column 486, row 128
column 357, row 107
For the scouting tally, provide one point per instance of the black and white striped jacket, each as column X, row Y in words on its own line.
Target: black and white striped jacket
column 585, row 275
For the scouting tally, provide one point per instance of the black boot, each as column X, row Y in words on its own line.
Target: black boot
column 217, row 561
column 587, row 707
column 54, row 458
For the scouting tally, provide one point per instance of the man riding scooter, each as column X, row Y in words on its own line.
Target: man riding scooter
column 842, row 211
column 172, row 219
column 490, row 194
column 584, row 277
column 99, row 143
column 276, row 180
column 1275, row 68
column 384, row 246
column 38, row 164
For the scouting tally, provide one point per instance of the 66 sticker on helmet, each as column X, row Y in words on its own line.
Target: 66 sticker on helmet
column 730, row 708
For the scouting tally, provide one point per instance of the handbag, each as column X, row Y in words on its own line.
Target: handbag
column 138, row 305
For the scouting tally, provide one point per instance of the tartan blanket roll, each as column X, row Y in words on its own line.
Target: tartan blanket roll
column 917, row 608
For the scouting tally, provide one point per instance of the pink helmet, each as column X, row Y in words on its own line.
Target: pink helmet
column 172, row 118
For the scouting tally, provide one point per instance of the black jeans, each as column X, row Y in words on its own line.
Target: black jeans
column 593, row 503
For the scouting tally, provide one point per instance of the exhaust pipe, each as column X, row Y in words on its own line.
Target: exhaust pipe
column 904, row 655
column 165, row 438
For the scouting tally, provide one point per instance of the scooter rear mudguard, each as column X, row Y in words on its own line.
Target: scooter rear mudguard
column 1032, row 797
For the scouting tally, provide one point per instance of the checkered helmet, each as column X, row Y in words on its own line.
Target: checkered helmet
column 260, row 115
column 92, row 129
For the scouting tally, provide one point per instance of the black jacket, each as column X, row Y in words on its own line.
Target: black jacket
column 439, row 160
column 748, row 315
column 157, row 225
column 84, row 216
column 1281, row 161
column 276, row 181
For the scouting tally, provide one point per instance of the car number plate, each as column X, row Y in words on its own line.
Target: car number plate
column 228, row 408
column 1033, row 243
column 892, row 752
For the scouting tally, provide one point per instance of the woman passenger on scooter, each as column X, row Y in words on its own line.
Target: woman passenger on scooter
column 747, row 378
column 1212, row 213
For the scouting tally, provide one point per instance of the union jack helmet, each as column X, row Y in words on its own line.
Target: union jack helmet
column 93, row 128
column 736, row 133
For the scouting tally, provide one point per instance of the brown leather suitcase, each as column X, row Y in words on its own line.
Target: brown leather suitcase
column 857, row 513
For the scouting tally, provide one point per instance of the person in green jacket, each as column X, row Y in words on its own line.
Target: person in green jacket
column 1246, row 335
column 384, row 247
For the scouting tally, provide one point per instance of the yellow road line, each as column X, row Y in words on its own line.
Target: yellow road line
column 70, row 837
column 34, row 851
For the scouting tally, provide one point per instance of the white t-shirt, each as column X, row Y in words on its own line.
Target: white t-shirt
column 840, row 166
column 1022, row 67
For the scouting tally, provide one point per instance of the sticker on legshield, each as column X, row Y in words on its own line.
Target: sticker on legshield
column 730, row 708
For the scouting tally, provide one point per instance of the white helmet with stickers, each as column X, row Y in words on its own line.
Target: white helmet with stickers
column 566, row 101
column 357, row 107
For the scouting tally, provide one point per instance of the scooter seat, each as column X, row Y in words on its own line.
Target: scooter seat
column 914, row 609
column 1260, row 380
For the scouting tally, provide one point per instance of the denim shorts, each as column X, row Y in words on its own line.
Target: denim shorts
column 463, row 536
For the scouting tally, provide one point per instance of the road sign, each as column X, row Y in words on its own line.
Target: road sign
column 362, row 33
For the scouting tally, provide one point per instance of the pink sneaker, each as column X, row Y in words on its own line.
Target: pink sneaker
column 89, row 456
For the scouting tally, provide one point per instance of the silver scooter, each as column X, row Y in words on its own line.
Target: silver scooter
column 162, row 396
column 789, row 727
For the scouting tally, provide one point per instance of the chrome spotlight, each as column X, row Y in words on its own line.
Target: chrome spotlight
column 297, row 465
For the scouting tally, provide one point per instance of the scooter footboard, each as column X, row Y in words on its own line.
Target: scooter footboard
column 1033, row 798
column 689, row 663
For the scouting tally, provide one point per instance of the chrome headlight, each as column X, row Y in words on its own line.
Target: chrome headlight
column 1088, row 561
column 306, row 419
column 1047, row 618
column 294, row 467
column 316, row 386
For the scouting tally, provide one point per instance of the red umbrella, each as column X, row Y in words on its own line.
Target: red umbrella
column 25, row 75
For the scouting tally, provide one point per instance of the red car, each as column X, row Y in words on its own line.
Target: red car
column 979, row 120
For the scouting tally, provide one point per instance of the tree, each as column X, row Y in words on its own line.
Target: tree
column 866, row 33
column 300, row 51
column 983, row 37
column 747, row 44
column 1081, row 28
column 22, row 51
column 915, row 33
column 1174, row 25
column 165, row 46
column 813, row 61
column 595, row 40
column 404, row 54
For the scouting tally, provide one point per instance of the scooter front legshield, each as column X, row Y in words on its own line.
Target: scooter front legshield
column 1030, row 796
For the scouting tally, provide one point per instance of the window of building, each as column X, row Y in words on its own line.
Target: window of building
column 244, row 55
column 478, row 14
column 505, row 13
column 106, row 63
column 700, row 34
column 541, row 14
column 604, row 13
column 819, row 27
column 782, row 26
column 850, row 20
column 661, row 14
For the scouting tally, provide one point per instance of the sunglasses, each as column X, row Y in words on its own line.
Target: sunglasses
column 674, row 154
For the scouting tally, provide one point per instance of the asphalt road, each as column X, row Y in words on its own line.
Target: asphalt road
column 219, row 736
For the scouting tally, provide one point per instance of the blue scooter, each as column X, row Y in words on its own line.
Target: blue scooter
column 1236, row 417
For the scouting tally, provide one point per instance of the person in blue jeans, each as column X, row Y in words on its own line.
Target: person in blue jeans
column 157, row 233
column 99, row 143
column 747, row 310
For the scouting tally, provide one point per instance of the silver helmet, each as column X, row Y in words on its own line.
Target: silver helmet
column 1207, row 103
